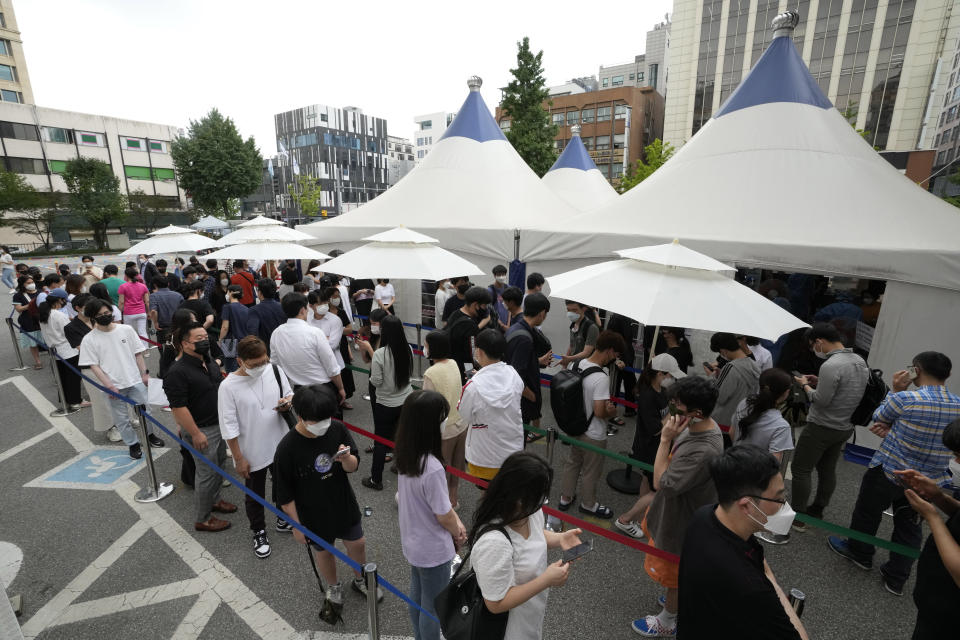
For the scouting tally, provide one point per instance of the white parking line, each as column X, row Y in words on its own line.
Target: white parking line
column 26, row 444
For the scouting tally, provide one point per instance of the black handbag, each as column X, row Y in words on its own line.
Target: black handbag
column 463, row 614
column 288, row 415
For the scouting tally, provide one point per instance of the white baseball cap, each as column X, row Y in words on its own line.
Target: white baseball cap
column 666, row 362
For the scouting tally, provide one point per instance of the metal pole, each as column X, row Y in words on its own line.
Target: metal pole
column 420, row 357
column 16, row 347
column 373, row 615
column 551, row 443
column 155, row 490
column 65, row 409
column 653, row 345
column 797, row 599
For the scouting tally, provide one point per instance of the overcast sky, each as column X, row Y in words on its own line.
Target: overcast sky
column 170, row 61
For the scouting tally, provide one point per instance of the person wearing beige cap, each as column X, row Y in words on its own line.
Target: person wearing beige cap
column 652, row 403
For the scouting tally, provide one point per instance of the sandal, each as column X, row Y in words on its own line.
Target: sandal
column 388, row 458
column 532, row 437
column 601, row 512
column 565, row 506
column 617, row 421
column 368, row 449
column 347, row 406
column 38, row 366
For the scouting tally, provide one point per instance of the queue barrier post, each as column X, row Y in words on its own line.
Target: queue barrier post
column 65, row 409
column 551, row 443
column 419, row 357
column 797, row 599
column 373, row 614
column 155, row 490
column 16, row 347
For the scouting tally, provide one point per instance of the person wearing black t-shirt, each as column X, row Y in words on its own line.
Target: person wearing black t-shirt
column 361, row 291
column 465, row 323
column 312, row 462
column 456, row 302
column 726, row 585
column 938, row 571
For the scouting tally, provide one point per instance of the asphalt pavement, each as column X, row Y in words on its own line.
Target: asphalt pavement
column 96, row 563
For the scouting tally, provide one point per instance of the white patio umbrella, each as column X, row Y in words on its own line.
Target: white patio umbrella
column 267, row 251
column 167, row 242
column 208, row 223
column 170, row 230
column 260, row 221
column 401, row 253
column 265, row 233
column 673, row 286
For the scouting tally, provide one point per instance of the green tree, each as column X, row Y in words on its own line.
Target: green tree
column 95, row 195
column 16, row 194
column 215, row 164
column 654, row 155
column 41, row 221
column 954, row 179
column 147, row 210
column 306, row 195
column 531, row 132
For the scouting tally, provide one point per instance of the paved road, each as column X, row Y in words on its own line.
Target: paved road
column 96, row 562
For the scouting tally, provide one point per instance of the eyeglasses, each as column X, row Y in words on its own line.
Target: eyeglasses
column 777, row 500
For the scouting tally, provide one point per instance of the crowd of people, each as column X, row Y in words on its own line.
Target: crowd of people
column 257, row 371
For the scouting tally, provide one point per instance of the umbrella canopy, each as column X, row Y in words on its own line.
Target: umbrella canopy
column 209, row 222
column 260, row 221
column 674, row 254
column 401, row 253
column 268, row 251
column 264, row 233
column 187, row 242
column 575, row 178
column 170, row 230
column 671, row 296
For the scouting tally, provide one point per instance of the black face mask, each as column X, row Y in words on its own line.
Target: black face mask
column 104, row 320
column 202, row 347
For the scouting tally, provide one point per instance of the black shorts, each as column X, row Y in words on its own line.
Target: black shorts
column 353, row 532
column 530, row 411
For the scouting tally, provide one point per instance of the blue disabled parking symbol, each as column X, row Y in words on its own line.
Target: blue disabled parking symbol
column 101, row 468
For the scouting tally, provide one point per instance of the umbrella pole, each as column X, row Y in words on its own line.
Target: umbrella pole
column 653, row 345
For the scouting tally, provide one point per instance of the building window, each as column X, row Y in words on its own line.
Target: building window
column 426, row 124
column 936, row 141
column 640, row 77
column 616, row 81
column 25, row 165
column 618, row 141
column 137, row 173
column 950, row 155
column 940, row 157
column 90, row 139
column 603, row 142
column 587, row 142
column 604, row 169
column 558, row 118
column 57, row 166
column 3, row 23
column 505, row 124
column 19, row 131
column 11, row 96
column 620, row 111
column 158, row 146
column 134, row 144
column 586, row 116
column 323, row 117
column 420, row 153
column 163, row 174
column 558, row 145
column 603, row 114
column 8, row 73
column 605, row 81
column 5, row 49
column 630, row 77
column 573, row 117
column 617, row 170
column 56, row 134
column 956, row 133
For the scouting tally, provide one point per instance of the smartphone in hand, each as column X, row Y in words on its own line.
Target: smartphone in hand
column 578, row 551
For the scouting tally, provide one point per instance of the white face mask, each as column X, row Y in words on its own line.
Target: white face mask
column 345, row 282
column 87, row 264
column 955, row 472
column 779, row 523
column 31, row 287
column 323, row 309
column 335, row 302
column 502, row 279
column 819, row 354
column 450, row 287
column 426, row 352
column 256, row 372
column 666, row 382
column 572, row 316
column 83, row 289
column 224, row 282
column 375, row 329
column 317, row 428
column 443, row 425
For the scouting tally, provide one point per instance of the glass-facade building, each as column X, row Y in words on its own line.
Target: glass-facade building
column 870, row 57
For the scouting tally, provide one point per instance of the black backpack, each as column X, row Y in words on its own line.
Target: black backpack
column 566, row 400
column 873, row 395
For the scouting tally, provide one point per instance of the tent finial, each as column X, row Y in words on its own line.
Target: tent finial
column 575, row 130
column 676, row 241
column 474, row 82
column 785, row 23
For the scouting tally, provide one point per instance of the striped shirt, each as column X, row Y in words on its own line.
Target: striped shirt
column 917, row 418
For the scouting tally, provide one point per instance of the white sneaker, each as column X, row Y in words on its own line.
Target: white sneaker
column 632, row 529
column 113, row 434
column 335, row 593
column 261, row 545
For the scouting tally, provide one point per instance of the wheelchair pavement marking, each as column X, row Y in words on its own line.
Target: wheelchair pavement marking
column 100, row 469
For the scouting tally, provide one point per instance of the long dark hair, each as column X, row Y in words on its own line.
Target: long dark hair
column 45, row 308
column 418, row 433
column 181, row 318
column 99, row 290
column 517, row 491
column 393, row 338
column 773, row 383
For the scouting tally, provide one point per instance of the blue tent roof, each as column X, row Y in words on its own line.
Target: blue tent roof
column 575, row 156
column 474, row 121
column 779, row 76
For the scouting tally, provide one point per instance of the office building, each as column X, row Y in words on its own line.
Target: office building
column 630, row 74
column 575, row 85
column 946, row 141
column 616, row 124
column 401, row 159
column 14, row 79
column 344, row 149
column 429, row 129
column 657, row 56
column 875, row 58
column 263, row 201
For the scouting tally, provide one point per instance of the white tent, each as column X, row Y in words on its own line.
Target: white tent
column 209, row 223
column 472, row 192
column 575, row 178
column 779, row 179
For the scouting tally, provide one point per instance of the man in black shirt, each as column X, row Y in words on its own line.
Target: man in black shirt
column 522, row 355
column 456, row 302
column 726, row 586
column 312, row 463
column 464, row 324
column 268, row 314
column 202, row 309
column 191, row 386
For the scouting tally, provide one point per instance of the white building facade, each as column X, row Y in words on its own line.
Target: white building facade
column 429, row 129
column 401, row 158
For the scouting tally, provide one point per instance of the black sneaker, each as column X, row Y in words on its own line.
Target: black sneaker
column 283, row 526
column 370, row 483
column 155, row 441
column 135, row 451
column 261, row 546
column 889, row 585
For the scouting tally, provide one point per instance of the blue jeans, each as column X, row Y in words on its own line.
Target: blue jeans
column 8, row 280
column 120, row 411
column 425, row 584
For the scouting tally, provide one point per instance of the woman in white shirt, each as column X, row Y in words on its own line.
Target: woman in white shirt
column 53, row 319
column 509, row 545
column 440, row 298
column 249, row 402
column 321, row 316
column 385, row 295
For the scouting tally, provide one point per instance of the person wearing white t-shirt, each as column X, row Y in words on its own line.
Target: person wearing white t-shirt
column 760, row 353
column 114, row 353
column 6, row 263
column 490, row 408
column 385, row 296
column 509, row 546
column 320, row 316
column 251, row 425
column 597, row 405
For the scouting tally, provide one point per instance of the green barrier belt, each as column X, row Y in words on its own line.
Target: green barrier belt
column 903, row 550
